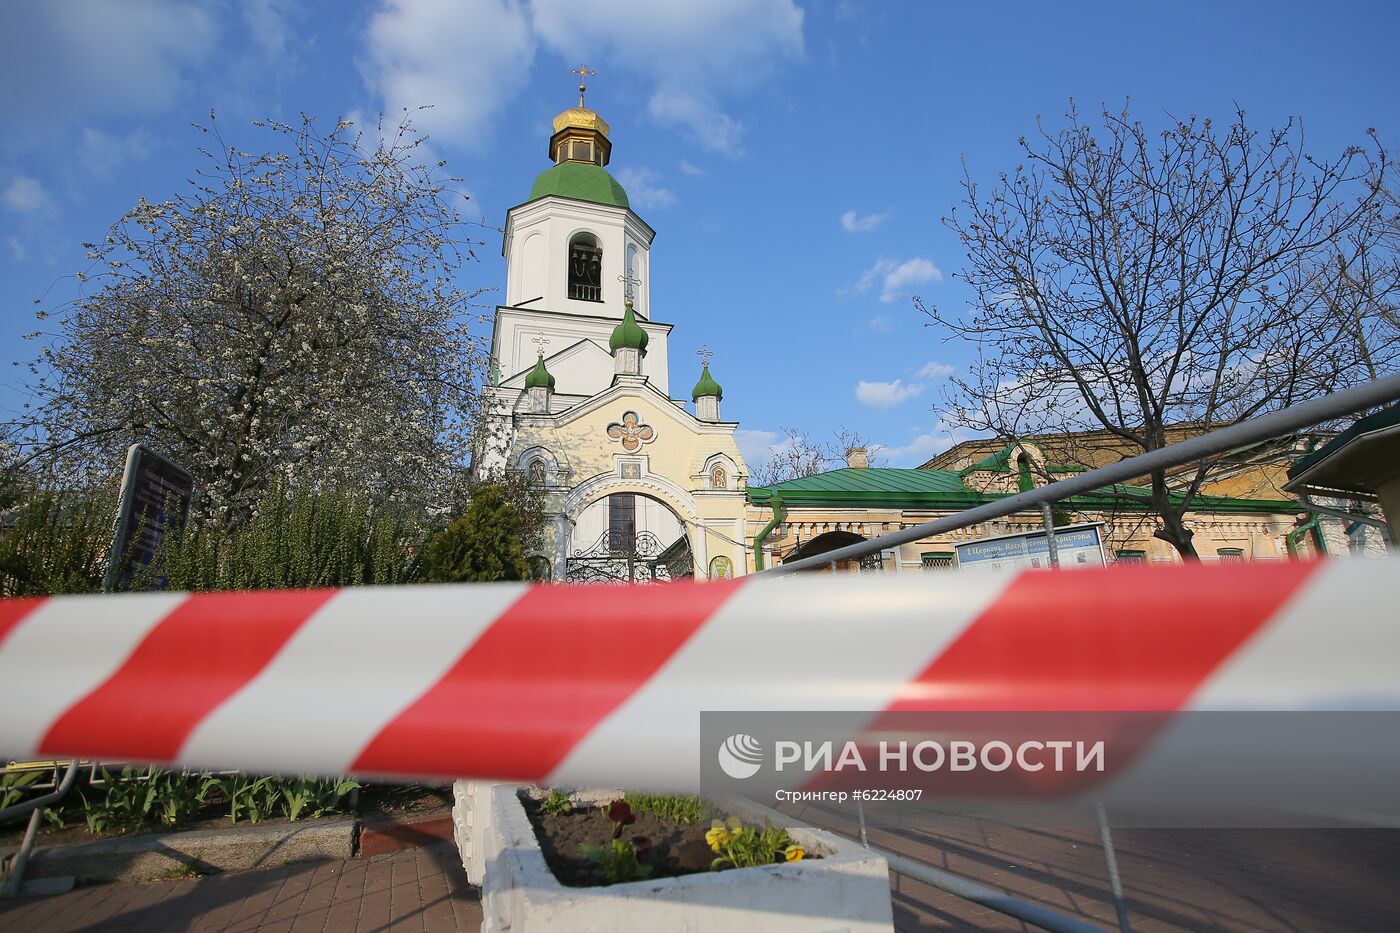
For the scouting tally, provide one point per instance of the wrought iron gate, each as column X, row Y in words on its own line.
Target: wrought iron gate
column 619, row 558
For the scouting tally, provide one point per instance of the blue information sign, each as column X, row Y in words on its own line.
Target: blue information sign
column 1076, row 546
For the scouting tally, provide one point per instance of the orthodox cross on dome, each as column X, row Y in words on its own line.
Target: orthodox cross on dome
column 631, row 431
column 540, row 341
column 628, row 280
column 583, row 75
column 705, row 354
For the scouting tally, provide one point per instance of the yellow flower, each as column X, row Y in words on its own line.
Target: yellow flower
column 717, row 835
column 794, row 852
column 734, row 823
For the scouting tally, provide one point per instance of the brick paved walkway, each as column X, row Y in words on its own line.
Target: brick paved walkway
column 1211, row 880
column 421, row 890
column 1288, row 880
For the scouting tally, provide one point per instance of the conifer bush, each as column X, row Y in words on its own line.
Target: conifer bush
column 296, row 540
column 53, row 542
column 485, row 544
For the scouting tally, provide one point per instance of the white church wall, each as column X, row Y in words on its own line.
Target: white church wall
column 516, row 346
column 531, row 269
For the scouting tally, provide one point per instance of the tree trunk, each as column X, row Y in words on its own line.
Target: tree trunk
column 1172, row 530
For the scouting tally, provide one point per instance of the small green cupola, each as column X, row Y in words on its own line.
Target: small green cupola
column 707, row 393
column 706, row 386
column 539, row 377
column 629, row 334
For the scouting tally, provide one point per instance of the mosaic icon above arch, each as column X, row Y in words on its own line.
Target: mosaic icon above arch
column 631, row 431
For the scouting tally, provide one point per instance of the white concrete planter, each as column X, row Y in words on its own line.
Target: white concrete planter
column 845, row 891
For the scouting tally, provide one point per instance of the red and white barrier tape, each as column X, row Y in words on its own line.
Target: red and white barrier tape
column 573, row 685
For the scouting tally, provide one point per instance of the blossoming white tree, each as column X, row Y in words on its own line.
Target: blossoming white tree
column 292, row 317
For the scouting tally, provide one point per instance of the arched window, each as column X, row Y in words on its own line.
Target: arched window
column 585, row 268
column 717, row 478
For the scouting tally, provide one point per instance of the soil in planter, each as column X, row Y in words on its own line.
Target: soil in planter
column 677, row 849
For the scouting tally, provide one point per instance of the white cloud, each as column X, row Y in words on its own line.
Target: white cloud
column 721, row 45
column 17, row 248
column 712, row 128
column 881, row 324
column 267, row 24
column 467, row 58
column 852, row 222
column 25, row 195
column 104, row 153
column 76, row 60
column 464, row 58
column 896, row 276
column 925, row 445
column 688, row 169
column 756, row 446
column 643, row 188
column 886, row 394
column 934, row 370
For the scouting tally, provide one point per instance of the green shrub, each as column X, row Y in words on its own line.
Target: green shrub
column 485, row 544
column 54, row 542
column 298, row 540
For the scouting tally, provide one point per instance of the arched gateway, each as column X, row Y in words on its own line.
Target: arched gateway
column 629, row 537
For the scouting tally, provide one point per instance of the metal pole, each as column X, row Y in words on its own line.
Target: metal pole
column 36, row 808
column 69, row 777
column 1048, row 518
column 860, row 812
column 12, row 883
column 1105, row 837
column 1236, row 435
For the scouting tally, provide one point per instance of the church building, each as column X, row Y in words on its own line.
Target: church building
column 637, row 485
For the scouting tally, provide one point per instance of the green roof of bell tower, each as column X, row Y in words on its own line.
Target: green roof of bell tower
column 582, row 181
column 629, row 333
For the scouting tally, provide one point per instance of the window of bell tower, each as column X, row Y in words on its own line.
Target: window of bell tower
column 585, row 268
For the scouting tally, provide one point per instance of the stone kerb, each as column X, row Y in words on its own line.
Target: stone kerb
column 845, row 890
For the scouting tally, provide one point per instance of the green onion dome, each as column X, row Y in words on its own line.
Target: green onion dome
column 539, row 377
column 706, row 386
column 629, row 333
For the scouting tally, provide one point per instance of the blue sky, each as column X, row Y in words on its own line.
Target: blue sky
column 794, row 157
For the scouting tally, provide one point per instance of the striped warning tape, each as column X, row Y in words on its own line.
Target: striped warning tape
column 604, row 685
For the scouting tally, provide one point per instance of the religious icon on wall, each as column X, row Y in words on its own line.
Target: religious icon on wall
column 721, row 568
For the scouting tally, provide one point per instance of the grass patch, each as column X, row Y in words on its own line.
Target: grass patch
column 672, row 808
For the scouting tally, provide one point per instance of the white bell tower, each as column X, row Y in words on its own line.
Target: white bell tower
column 576, row 255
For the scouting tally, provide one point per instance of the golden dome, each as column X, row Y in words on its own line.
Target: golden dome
column 580, row 118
